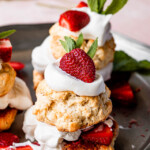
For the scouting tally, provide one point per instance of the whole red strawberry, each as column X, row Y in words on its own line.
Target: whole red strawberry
column 7, row 139
column 101, row 134
column 74, row 20
column 78, row 64
column 5, row 50
column 82, row 4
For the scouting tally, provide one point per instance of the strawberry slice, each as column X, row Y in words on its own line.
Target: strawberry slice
column 27, row 147
column 82, row 4
column 123, row 93
column 78, row 64
column 74, row 20
column 7, row 139
column 17, row 65
column 5, row 50
column 99, row 135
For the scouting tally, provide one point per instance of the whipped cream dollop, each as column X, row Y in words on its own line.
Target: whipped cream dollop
column 41, row 55
column 52, row 138
column 59, row 80
column 18, row 97
column 99, row 26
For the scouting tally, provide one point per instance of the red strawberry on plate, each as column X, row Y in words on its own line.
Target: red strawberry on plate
column 5, row 50
column 16, row 65
column 99, row 135
column 78, row 64
column 123, row 93
column 27, row 147
column 82, row 4
column 74, row 20
column 7, row 139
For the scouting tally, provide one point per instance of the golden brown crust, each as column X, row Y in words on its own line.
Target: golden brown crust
column 7, row 78
column 68, row 146
column 37, row 77
column 7, row 117
column 104, row 55
column 68, row 111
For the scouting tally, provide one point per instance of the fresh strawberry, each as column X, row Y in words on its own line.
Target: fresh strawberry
column 123, row 93
column 27, row 147
column 6, row 148
column 17, row 65
column 99, row 135
column 7, row 139
column 78, row 64
column 82, row 4
column 5, row 50
column 74, row 20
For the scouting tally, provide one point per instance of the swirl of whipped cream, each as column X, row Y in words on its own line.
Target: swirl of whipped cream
column 18, row 97
column 59, row 80
column 41, row 55
column 52, row 138
column 99, row 26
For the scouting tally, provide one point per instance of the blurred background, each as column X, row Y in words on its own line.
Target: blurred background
column 133, row 20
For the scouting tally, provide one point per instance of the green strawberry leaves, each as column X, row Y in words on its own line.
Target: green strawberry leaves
column 124, row 62
column 70, row 44
column 98, row 6
column 5, row 34
column 114, row 7
column 93, row 48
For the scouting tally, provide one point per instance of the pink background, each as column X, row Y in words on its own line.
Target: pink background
column 133, row 20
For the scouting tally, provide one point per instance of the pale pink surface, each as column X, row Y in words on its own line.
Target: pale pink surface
column 133, row 20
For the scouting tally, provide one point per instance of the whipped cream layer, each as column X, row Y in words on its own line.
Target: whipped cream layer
column 106, row 71
column 47, row 136
column 99, row 26
column 59, row 80
column 18, row 97
column 41, row 55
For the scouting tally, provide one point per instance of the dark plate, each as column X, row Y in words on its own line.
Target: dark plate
column 137, row 137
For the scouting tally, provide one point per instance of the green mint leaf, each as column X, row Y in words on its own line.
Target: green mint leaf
column 101, row 5
column 70, row 43
column 124, row 62
column 64, row 44
column 94, row 5
column 6, row 33
column 91, row 52
column 114, row 7
column 79, row 41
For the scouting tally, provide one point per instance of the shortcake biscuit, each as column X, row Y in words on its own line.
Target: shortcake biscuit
column 69, row 111
column 7, row 117
column 7, row 78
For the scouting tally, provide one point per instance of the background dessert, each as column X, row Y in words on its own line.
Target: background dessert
column 14, row 94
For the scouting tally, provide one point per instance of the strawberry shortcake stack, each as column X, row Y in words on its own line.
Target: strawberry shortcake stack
column 73, row 105
column 93, row 22
column 14, row 94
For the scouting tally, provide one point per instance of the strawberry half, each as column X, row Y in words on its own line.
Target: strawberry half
column 7, row 139
column 16, row 65
column 5, row 50
column 123, row 94
column 78, row 64
column 74, row 20
column 99, row 135
column 82, row 4
column 27, row 147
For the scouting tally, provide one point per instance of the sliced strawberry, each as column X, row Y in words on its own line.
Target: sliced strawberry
column 7, row 139
column 17, row 65
column 78, row 64
column 123, row 93
column 98, row 135
column 82, row 4
column 27, row 147
column 5, row 50
column 74, row 20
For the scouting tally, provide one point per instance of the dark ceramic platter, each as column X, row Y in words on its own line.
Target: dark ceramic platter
column 135, row 138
